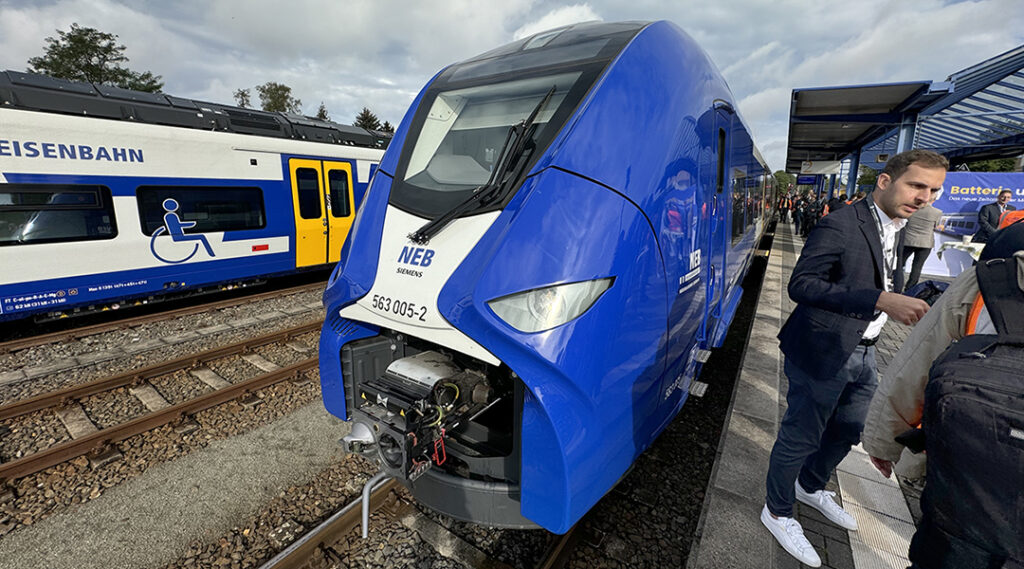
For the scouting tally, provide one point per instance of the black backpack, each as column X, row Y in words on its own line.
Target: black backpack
column 928, row 291
column 974, row 431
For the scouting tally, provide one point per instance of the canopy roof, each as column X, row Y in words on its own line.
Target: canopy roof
column 977, row 113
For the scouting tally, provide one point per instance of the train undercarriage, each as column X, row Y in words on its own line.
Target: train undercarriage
column 445, row 425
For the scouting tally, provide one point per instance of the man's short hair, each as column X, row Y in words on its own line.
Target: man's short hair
column 898, row 164
column 1001, row 192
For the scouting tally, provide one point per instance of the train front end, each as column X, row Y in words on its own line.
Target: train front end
column 496, row 323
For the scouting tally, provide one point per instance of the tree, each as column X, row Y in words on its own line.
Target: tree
column 994, row 165
column 87, row 54
column 321, row 113
column 866, row 176
column 278, row 97
column 366, row 119
column 783, row 180
column 242, row 98
column 386, row 127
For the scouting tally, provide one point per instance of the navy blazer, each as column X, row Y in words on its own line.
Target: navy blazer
column 836, row 284
column 988, row 221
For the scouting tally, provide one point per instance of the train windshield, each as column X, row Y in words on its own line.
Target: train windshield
column 465, row 129
column 456, row 136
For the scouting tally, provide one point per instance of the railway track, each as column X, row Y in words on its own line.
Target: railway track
column 91, row 330
column 87, row 439
column 327, row 540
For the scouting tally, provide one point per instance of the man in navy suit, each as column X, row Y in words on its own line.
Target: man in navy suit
column 989, row 216
column 842, row 285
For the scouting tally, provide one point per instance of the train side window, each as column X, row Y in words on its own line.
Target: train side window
column 739, row 193
column 337, row 182
column 212, row 208
column 307, row 180
column 53, row 213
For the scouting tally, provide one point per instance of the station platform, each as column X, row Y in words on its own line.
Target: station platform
column 731, row 534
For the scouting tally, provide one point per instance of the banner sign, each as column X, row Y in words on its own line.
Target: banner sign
column 806, row 180
column 821, row 167
column 962, row 197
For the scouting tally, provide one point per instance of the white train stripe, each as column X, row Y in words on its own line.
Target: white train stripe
column 410, row 278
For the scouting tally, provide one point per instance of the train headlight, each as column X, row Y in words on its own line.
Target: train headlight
column 544, row 308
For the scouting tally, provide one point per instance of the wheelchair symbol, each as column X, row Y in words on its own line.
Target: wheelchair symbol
column 175, row 227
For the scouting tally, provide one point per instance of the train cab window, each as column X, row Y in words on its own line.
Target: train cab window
column 462, row 139
column 212, row 208
column 50, row 213
column 308, row 181
column 337, row 182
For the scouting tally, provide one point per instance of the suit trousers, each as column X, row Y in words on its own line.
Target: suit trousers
column 920, row 256
column 824, row 418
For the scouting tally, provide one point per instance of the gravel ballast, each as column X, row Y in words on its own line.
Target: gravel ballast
column 153, row 518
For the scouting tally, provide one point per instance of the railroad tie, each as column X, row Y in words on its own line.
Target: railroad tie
column 149, row 397
column 76, row 421
column 447, row 543
column 298, row 346
column 261, row 362
column 209, row 377
column 79, row 425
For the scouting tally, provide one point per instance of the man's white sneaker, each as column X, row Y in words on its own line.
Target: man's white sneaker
column 790, row 535
column 823, row 502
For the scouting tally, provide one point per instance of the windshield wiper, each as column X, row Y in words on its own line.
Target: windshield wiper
column 507, row 169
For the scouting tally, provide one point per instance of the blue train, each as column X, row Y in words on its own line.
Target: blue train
column 110, row 196
column 550, row 247
column 958, row 224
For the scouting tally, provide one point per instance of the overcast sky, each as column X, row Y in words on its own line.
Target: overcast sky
column 379, row 53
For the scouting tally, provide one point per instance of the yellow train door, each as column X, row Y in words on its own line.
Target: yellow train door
column 340, row 206
column 322, row 200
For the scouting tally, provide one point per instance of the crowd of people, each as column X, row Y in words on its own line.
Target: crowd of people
column 805, row 209
column 846, row 283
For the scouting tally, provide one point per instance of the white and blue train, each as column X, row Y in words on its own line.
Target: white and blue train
column 958, row 224
column 109, row 195
column 553, row 243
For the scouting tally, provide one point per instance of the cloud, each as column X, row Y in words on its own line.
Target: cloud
column 379, row 54
column 557, row 18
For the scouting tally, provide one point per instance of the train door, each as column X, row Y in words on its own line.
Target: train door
column 718, row 226
column 324, row 209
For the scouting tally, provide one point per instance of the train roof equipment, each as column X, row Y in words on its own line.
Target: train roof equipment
column 36, row 92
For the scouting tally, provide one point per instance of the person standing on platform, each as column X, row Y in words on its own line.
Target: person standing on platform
column 798, row 212
column 809, row 214
column 898, row 407
column 842, row 284
column 989, row 215
column 784, row 204
column 918, row 240
column 836, row 203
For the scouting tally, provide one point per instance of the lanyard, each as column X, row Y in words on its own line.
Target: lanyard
column 888, row 257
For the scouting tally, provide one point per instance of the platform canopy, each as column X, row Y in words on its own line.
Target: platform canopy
column 975, row 114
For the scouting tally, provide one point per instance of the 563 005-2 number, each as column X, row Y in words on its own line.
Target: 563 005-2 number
column 399, row 307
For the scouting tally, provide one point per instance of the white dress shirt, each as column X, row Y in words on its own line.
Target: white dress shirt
column 889, row 229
